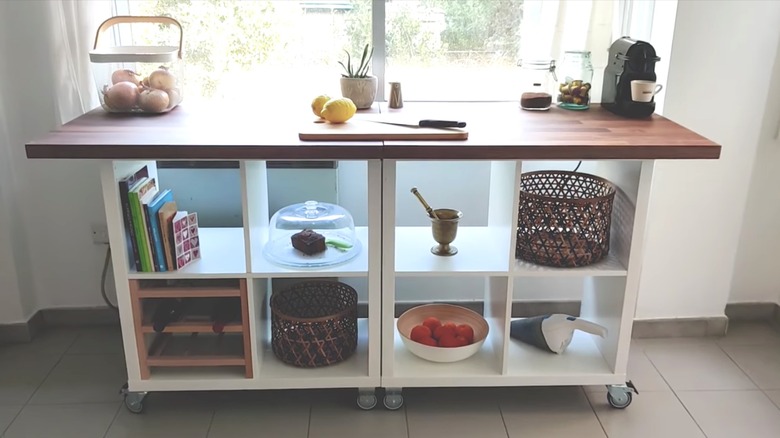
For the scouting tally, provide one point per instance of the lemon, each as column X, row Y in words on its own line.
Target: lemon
column 338, row 110
column 318, row 103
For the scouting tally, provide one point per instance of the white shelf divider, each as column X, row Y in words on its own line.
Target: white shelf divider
column 481, row 251
column 222, row 256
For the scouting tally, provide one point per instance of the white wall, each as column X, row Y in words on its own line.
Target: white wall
column 722, row 57
column 757, row 268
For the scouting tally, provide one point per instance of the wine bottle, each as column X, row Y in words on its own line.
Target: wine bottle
column 168, row 310
column 224, row 312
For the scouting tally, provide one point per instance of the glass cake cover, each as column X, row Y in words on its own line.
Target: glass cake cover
column 331, row 239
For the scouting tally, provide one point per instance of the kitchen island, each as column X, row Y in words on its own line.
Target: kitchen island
column 232, row 265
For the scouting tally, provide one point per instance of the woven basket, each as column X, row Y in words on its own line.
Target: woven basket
column 564, row 218
column 314, row 323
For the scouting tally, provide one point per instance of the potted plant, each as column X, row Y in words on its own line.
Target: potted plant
column 356, row 83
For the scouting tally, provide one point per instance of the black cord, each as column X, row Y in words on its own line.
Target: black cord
column 103, row 280
column 578, row 166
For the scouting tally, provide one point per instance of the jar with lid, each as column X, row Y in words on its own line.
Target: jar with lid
column 311, row 234
column 537, row 77
column 134, row 78
column 576, row 73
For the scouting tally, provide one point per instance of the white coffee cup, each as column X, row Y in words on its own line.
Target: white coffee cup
column 643, row 91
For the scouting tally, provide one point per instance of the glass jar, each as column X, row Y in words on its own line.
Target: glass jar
column 311, row 234
column 137, row 79
column 537, row 77
column 576, row 73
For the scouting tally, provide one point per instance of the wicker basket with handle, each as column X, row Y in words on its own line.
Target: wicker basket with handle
column 314, row 323
column 564, row 218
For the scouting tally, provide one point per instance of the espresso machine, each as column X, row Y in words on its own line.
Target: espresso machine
column 629, row 60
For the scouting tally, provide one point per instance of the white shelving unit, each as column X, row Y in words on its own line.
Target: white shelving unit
column 236, row 253
column 608, row 288
column 391, row 252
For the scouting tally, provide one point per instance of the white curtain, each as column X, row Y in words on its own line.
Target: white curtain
column 551, row 27
column 46, row 205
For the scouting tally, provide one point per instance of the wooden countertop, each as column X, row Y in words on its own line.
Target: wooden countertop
column 497, row 130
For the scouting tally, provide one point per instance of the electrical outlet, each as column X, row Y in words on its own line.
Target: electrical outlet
column 99, row 234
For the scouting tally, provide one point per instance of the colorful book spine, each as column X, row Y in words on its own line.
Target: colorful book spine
column 155, row 228
column 136, row 195
column 125, row 185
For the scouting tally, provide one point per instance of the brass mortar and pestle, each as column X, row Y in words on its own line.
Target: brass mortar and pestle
column 444, row 225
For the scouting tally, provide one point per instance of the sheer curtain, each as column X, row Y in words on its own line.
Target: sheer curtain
column 46, row 75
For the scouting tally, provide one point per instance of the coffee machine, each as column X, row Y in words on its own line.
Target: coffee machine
column 629, row 60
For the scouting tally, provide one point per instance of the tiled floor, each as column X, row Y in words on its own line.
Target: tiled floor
column 66, row 382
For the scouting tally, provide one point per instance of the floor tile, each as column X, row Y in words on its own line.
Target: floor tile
column 641, row 372
column 261, row 414
column 83, row 379
column 453, row 414
column 774, row 396
column 650, row 415
column 51, row 342
column 98, row 340
column 21, row 375
column 692, row 367
column 743, row 333
column 760, row 362
column 728, row 414
column 161, row 419
column 63, row 421
column 339, row 416
column 547, row 412
column 7, row 415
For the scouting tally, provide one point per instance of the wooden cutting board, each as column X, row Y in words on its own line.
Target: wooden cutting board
column 357, row 128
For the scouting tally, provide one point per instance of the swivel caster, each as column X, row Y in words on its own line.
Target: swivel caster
column 366, row 399
column 134, row 401
column 620, row 396
column 393, row 399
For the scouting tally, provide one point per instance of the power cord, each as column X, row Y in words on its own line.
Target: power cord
column 103, row 280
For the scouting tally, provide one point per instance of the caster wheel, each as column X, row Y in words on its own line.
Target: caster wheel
column 393, row 401
column 134, row 403
column 620, row 401
column 366, row 401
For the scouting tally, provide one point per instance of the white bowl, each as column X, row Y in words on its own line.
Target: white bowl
column 445, row 313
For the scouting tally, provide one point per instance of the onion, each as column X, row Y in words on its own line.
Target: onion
column 124, row 76
column 162, row 79
column 122, row 96
column 174, row 97
column 153, row 101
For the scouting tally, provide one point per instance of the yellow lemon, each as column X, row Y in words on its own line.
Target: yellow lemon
column 338, row 110
column 318, row 103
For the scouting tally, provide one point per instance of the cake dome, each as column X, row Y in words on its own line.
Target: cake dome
column 311, row 234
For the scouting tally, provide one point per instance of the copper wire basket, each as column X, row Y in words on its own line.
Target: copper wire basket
column 564, row 218
column 314, row 323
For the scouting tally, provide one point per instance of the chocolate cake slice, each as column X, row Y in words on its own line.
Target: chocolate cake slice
column 308, row 242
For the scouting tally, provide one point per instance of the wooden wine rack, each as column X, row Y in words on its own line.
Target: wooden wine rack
column 168, row 349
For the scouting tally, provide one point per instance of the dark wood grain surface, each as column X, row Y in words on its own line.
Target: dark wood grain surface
column 497, row 130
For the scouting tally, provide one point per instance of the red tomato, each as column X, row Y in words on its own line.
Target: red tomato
column 462, row 342
column 428, row 341
column 419, row 332
column 445, row 330
column 467, row 332
column 448, row 340
column 432, row 322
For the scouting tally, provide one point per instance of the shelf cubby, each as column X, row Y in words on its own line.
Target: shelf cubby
column 190, row 341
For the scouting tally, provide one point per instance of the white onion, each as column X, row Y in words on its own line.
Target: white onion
column 153, row 101
column 124, row 76
column 122, row 96
column 174, row 97
column 162, row 79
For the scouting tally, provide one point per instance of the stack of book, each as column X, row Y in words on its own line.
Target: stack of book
column 159, row 237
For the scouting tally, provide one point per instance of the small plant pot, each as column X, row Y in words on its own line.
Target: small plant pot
column 362, row 91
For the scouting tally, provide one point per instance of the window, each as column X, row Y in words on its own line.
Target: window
column 290, row 49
